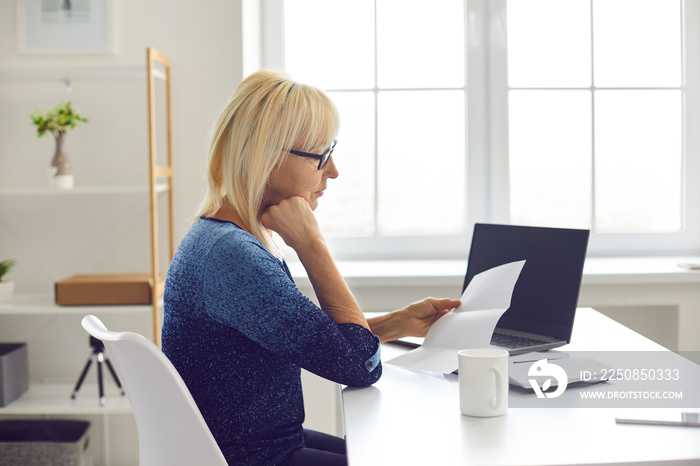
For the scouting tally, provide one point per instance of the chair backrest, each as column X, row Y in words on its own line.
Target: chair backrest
column 171, row 429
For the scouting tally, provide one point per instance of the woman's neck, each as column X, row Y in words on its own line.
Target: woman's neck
column 229, row 214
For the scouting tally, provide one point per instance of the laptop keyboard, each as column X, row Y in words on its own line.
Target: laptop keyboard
column 514, row 341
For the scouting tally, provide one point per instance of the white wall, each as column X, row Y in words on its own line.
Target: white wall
column 203, row 40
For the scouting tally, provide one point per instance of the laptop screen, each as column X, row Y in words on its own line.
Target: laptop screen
column 546, row 295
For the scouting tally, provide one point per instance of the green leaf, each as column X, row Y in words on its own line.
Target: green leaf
column 62, row 118
column 6, row 266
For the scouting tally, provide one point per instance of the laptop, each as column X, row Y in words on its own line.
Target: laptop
column 544, row 300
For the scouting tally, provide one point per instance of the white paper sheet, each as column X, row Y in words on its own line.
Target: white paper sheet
column 470, row 325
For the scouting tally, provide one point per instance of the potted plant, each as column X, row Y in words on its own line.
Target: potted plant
column 58, row 121
column 7, row 288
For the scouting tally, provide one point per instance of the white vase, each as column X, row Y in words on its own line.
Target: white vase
column 61, row 181
column 7, row 289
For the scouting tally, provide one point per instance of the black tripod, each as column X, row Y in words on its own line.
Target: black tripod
column 98, row 352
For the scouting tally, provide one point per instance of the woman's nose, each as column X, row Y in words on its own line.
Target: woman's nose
column 330, row 170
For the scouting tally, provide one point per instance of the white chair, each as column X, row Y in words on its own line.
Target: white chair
column 171, row 430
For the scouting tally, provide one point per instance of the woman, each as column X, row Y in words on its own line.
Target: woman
column 236, row 327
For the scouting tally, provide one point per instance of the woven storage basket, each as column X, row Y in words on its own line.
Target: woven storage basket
column 34, row 442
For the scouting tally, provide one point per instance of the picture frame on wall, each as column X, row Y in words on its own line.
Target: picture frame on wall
column 64, row 27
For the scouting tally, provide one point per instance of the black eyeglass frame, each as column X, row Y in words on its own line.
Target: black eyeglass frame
column 322, row 158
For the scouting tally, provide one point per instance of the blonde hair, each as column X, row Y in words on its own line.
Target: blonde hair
column 267, row 115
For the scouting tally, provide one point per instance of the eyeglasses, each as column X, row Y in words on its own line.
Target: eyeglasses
column 322, row 158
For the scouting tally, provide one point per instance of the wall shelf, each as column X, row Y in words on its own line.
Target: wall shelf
column 53, row 399
column 46, row 74
column 28, row 304
column 79, row 190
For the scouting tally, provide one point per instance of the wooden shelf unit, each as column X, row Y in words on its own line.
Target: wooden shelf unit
column 154, row 62
column 46, row 397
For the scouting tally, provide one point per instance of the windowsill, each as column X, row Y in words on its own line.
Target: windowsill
column 597, row 271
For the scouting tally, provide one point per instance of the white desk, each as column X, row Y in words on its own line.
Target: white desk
column 413, row 418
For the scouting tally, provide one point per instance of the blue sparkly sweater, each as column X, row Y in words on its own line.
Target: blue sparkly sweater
column 238, row 330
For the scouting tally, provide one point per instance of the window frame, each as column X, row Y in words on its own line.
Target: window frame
column 487, row 177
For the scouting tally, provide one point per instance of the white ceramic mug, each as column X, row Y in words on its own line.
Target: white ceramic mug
column 483, row 382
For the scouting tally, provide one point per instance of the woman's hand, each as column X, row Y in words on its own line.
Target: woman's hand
column 420, row 316
column 294, row 221
column 413, row 320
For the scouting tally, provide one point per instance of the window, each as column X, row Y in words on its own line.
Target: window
column 536, row 112
column 403, row 131
column 595, row 126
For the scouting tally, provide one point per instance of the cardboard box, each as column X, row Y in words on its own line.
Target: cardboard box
column 14, row 371
column 97, row 290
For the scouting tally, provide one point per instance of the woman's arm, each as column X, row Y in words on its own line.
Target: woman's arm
column 334, row 295
column 294, row 221
column 248, row 289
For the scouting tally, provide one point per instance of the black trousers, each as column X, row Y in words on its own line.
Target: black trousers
column 321, row 449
